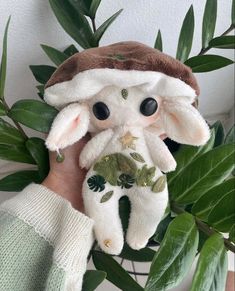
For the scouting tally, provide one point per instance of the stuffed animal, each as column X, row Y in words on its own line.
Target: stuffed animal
column 127, row 95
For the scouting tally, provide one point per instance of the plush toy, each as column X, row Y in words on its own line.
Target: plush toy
column 126, row 95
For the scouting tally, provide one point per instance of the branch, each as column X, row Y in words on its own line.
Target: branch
column 206, row 49
column 15, row 122
column 203, row 227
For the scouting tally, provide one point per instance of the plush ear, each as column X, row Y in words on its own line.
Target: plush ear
column 183, row 123
column 68, row 127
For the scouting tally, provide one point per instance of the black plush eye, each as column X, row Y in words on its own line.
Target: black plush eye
column 101, row 111
column 148, row 106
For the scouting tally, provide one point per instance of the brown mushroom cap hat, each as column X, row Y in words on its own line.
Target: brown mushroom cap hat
column 123, row 64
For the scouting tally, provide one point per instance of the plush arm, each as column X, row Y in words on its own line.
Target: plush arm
column 159, row 152
column 94, row 147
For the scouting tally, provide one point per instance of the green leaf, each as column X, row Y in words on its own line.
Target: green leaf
column 2, row 110
column 73, row 22
column 207, row 63
column 233, row 13
column 81, row 6
column 223, row 220
column 186, row 36
column 232, row 234
column 3, row 66
column 209, row 21
column 93, row 8
column 54, row 55
column 211, row 271
column 9, row 134
column 101, row 30
column 185, row 155
column 106, row 196
column 159, row 185
column 144, row 176
column 18, row 181
column 136, row 156
column 36, row 147
column 162, row 228
column 41, row 89
column 175, row 255
column 42, row 73
column 219, row 133
column 115, row 273
column 206, row 202
column 223, row 42
column 70, row 50
column 92, row 279
column 158, row 41
column 230, row 137
column 207, row 171
column 16, row 153
column 143, row 255
column 34, row 114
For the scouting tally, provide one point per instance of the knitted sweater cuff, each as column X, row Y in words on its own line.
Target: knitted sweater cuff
column 54, row 218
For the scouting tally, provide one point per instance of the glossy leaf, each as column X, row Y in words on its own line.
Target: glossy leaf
column 211, row 271
column 207, row 171
column 42, row 73
column 93, row 8
column 222, row 216
column 9, row 134
column 16, row 153
column 56, row 56
column 233, row 13
column 232, row 234
column 219, row 133
column 162, row 228
column 70, row 50
column 230, row 137
column 92, row 279
column 186, row 36
column 206, row 202
column 223, row 42
column 158, row 42
column 19, row 180
column 34, row 114
column 82, row 6
column 185, row 155
column 175, row 255
column 115, row 273
column 101, row 30
column 209, row 21
column 40, row 89
column 2, row 110
column 143, row 255
column 73, row 22
column 207, row 63
column 3, row 66
column 36, row 147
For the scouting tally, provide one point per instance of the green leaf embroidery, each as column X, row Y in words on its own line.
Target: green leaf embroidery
column 96, row 183
column 145, row 175
column 106, row 197
column 108, row 167
column 126, row 165
column 124, row 93
column 137, row 157
column 125, row 181
column 159, row 185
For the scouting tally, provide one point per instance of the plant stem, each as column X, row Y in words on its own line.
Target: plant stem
column 206, row 49
column 203, row 226
column 15, row 122
column 93, row 24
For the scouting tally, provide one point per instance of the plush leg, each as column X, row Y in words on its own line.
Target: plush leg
column 107, row 223
column 147, row 209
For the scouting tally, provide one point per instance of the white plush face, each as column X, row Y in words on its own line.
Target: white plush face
column 114, row 106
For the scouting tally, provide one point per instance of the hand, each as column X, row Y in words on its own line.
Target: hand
column 66, row 178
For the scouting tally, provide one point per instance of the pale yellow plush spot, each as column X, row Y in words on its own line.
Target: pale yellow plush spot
column 128, row 140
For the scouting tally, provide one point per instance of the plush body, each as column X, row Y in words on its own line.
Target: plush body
column 127, row 107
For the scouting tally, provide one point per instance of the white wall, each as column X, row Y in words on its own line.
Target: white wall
column 33, row 23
